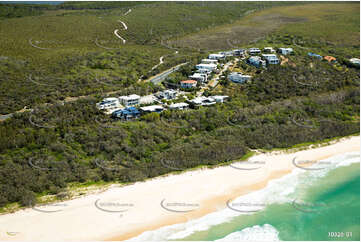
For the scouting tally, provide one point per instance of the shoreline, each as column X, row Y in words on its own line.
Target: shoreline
column 81, row 220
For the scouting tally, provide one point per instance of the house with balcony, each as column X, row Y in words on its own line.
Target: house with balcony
column 271, row 59
column 285, row 51
column 239, row 52
column 269, row 50
column 152, row 109
column 310, row 54
column 254, row 51
column 209, row 61
column 256, row 61
column 203, row 101
column 110, row 103
column 208, row 67
column 219, row 99
column 199, row 77
column 238, row 77
column 178, row 106
column 126, row 113
column 216, row 56
column 130, row 100
column 188, row 84
column 168, row 94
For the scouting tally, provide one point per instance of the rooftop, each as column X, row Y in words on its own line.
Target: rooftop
column 130, row 97
column 189, row 81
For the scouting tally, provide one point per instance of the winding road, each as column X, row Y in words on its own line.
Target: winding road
column 125, row 26
column 120, row 37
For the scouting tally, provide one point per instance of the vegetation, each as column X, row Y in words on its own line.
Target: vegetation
column 62, row 144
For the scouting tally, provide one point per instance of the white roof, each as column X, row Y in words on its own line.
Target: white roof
column 178, row 105
column 130, row 97
column 217, row 55
column 169, row 91
column 355, row 60
column 268, row 48
column 286, row 49
column 199, row 100
column 196, row 74
column 110, row 99
column 211, row 60
column 219, row 97
column 151, row 108
column 207, row 65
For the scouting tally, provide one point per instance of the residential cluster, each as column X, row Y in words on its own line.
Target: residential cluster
column 133, row 106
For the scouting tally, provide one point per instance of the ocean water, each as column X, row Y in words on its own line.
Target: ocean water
column 303, row 205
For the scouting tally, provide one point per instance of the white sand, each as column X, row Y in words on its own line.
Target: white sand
column 80, row 219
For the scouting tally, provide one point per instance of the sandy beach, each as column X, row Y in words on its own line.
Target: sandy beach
column 124, row 212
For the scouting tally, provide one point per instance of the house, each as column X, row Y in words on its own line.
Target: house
column 130, row 100
column 355, row 61
column 204, row 71
column 219, row 99
column 209, row 67
column 285, row 51
column 239, row 52
column 109, row 103
column 199, row 77
column 216, row 56
column 209, row 61
column 203, row 101
column 314, row 55
column 168, row 94
column 330, row 58
column 178, row 106
column 127, row 113
column 268, row 50
column 271, row 59
column 152, row 109
column 226, row 53
column 254, row 51
column 238, row 77
column 188, row 84
column 257, row 61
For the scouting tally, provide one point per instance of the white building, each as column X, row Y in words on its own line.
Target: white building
column 226, row 53
column 178, row 106
column 257, row 61
column 203, row 101
column 109, row 103
column 269, row 50
column 254, row 51
column 199, row 77
column 209, row 61
column 209, row 67
column 271, row 59
column 285, row 51
column 238, row 77
column 168, row 94
column 355, row 61
column 152, row 109
column 130, row 100
column 216, row 56
column 204, row 71
column 188, row 84
column 219, row 99
column 239, row 52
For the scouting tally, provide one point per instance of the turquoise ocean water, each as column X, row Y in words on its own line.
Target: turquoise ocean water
column 304, row 205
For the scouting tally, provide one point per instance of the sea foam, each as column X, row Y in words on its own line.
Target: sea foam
column 282, row 190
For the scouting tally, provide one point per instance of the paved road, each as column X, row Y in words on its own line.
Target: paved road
column 160, row 77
